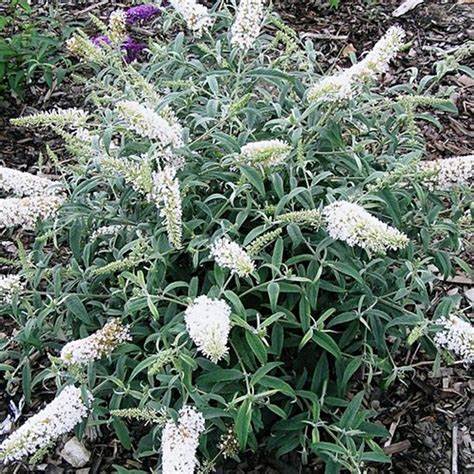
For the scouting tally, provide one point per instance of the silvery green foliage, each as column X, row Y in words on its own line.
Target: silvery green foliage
column 326, row 264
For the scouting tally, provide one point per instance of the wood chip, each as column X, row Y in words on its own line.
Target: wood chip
column 406, row 7
column 397, row 447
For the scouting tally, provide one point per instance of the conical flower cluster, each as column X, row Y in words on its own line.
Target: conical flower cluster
column 247, row 23
column 180, row 441
column 167, row 197
column 71, row 117
column 10, row 285
column 456, row 336
column 117, row 26
column 448, row 173
column 107, row 231
column 25, row 212
column 25, row 184
column 265, row 154
column 97, row 345
column 58, row 418
column 354, row 225
column 339, row 86
column 147, row 123
column 195, row 15
column 85, row 49
column 39, row 198
column 231, row 255
column 208, row 325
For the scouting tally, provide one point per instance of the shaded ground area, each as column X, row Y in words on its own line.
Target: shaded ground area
column 429, row 416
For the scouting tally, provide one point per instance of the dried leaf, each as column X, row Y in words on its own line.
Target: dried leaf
column 348, row 49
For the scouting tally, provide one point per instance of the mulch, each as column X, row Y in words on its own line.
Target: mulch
column 429, row 415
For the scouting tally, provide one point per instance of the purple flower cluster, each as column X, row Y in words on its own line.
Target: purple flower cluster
column 132, row 48
column 141, row 13
column 100, row 40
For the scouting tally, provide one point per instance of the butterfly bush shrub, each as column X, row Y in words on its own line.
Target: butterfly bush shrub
column 245, row 247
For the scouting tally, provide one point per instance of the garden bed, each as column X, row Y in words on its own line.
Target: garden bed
column 422, row 409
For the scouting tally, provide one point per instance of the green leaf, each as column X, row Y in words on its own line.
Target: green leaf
column 77, row 308
column 243, row 422
column 273, row 292
column 220, row 375
column 373, row 456
column 347, row 270
column 351, row 411
column 327, row 342
column 26, row 381
column 254, row 178
column 257, row 346
column 122, row 433
column 256, row 377
column 277, row 384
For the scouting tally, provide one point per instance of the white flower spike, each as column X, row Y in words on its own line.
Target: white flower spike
column 208, row 325
column 231, row 255
column 354, row 225
column 58, row 418
column 180, row 441
column 97, row 345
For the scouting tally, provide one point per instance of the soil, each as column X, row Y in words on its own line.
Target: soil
column 429, row 415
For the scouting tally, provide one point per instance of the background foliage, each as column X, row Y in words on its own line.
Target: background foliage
column 30, row 48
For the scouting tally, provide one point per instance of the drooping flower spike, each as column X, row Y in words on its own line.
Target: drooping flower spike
column 354, row 225
column 265, row 153
column 25, row 212
column 10, row 285
column 457, row 336
column 194, row 14
column 247, row 24
column 167, row 197
column 339, row 86
column 23, row 184
column 448, row 173
column 58, row 418
column 148, row 123
column 97, row 345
